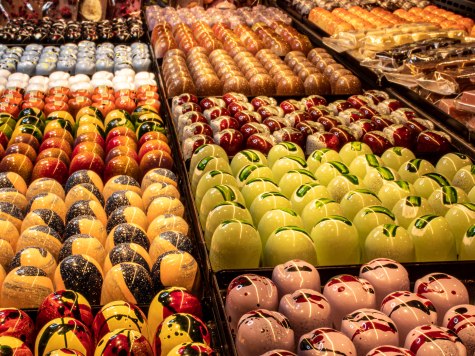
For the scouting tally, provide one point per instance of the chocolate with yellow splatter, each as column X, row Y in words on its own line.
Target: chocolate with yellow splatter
column 43, row 217
column 64, row 303
column 82, row 274
column 123, row 198
column 48, row 201
column 127, row 252
column 41, row 236
column 86, row 207
column 64, row 352
column 86, row 224
column 13, row 180
column 84, row 191
column 9, row 232
column 159, row 189
column 64, row 333
column 127, row 215
column 45, row 185
column 194, row 349
column 10, row 212
column 119, row 315
column 10, row 345
column 121, row 182
column 170, row 241
column 175, row 268
column 127, row 281
column 165, row 205
column 36, row 257
column 170, row 301
column 11, row 195
column 6, row 256
column 16, row 323
column 179, row 328
column 124, row 342
column 83, row 244
column 84, row 176
column 25, row 287
column 159, row 175
column 124, row 233
column 167, row 222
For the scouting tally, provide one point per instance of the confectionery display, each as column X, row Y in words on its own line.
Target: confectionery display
column 352, row 171
column 51, row 31
column 304, row 6
column 229, row 178
column 357, row 18
column 207, row 58
column 84, row 58
column 345, row 318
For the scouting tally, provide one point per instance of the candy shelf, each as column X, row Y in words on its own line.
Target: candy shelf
column 221, row 280
column 216, row 327
column 462, row 135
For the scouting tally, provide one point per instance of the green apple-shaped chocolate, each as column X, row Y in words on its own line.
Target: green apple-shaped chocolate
column 465, row 178
column 235, row 244
column 433, row 240
column 415, row 168
column 256, row 186
column 376, row 176
column 294, row 179
column 450, row 163
column 370, row 217
column 389, row 241
column 351, row 150
column 355, row 200
column 409, row 208
column 277, row 218
column 208, row 150
column 467, row 247
column 443, row 198
column 341, row 185
column 287, row 243
column 460, row 217
column 318, row 209
column 306, row 193
column 323, row 155
column 361, row 164
column 285, row 164
column 217, row 195
column 208, row 164
column 211, row 179
column 265, row 202
column 222, row 212
column 392, row 191
column 284, row 149
column 251, row 171
column 329, row 170
column 394, row 157
column 336, row 241
column 425, row 185
column 246, row 157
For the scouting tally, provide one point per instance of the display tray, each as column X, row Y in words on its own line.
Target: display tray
column 461, row 270
column 142, row 38
column 209, row 318
column 428, row 111
column 458, row 144
column 462, row 135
